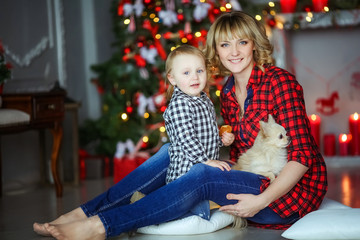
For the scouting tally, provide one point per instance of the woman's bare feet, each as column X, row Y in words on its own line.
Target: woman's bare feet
column 75, row 215
column 86, row 229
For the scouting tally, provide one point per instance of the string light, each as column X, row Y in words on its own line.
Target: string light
column 162, row 129
column 198, row 34
column 217, row 93
column 184, row 40
column 258, row 17
column 124, row 116
column 228, row 6
column 271, row 4
column 122, row 91
column 145, row 139
column 127, row 21
column 146, row 115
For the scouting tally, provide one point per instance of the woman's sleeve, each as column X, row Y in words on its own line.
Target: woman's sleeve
column 291, row 113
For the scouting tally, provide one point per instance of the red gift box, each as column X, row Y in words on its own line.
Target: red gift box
column 125, row 165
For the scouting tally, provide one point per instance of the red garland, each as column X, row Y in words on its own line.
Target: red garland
column 157, row 43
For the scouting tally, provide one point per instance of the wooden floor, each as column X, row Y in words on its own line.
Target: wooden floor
column 18, row 210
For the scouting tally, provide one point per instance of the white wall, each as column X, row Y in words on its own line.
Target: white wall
column 324, row 61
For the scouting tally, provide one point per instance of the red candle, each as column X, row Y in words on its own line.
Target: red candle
column 315, row 127
column 343, row 144
column 318, row 5
column 329, row 145
column 354, row 126
column 288, row 6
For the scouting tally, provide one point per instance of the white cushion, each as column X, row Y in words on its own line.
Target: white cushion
column 10, row 117
column 190, row 225
column 333, row 220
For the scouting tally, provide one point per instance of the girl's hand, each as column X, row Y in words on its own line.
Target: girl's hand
column 248, row 205
column 227, row 138
column 219, row 164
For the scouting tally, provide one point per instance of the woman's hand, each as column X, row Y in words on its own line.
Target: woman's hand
column 227, row 138
column 219, row 164
column 248, row 205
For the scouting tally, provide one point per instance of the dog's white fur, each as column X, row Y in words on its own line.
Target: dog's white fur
column 266, row 157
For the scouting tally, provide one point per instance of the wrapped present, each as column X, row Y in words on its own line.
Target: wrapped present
column 89, row 170
column 125, row 165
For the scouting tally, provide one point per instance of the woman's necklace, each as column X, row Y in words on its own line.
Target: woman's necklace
column 240, row 100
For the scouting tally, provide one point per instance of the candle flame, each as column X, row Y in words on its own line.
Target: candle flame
column 313, row 117
column 356, row 116
column 343, row 138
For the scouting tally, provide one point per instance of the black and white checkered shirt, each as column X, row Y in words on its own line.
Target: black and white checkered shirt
column 191, row 125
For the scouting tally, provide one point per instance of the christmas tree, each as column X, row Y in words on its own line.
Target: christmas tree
column 132, row 83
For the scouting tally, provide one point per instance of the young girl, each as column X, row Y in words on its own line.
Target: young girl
column 190, row 118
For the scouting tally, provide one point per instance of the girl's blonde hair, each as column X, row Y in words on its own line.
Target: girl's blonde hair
column 237, row 25
column 182, row 49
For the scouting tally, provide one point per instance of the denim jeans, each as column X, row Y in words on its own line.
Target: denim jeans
column 165, row 202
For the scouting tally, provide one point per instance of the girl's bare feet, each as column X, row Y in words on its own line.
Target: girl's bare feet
column 75, row 215
column 86, row 229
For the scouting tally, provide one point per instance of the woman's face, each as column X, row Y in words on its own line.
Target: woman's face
column 236, row 55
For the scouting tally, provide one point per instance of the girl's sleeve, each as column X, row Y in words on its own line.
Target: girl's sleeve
column 181, row 121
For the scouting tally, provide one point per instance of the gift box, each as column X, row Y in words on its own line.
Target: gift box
column 125, row 165
column 93, row 166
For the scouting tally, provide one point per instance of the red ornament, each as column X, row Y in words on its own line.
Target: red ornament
column 180, row 17
column 216, row 11
column 129, row 109
column 127, row 50
column 158, row 9
column 271, row 23
column 189, row 36
column 163, row 108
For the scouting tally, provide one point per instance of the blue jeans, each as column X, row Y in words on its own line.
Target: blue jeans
column 165, row 202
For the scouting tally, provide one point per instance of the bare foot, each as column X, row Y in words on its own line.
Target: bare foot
column 87, row 229
column 40, row 229
column 75, row 215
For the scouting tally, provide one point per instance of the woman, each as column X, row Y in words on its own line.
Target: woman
column 236, row 44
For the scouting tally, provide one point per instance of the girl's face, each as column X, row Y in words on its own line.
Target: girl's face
column 236, row 55
column 188, row 74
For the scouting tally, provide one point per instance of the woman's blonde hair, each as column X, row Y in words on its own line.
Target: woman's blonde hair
column 182, row 49
column 237, row 25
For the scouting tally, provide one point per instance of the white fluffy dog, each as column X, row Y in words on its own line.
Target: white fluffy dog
column 266, row 157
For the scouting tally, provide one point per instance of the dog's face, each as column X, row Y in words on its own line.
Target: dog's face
column 274, row 134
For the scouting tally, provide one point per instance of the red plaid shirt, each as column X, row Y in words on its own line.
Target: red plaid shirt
column 277, row 92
